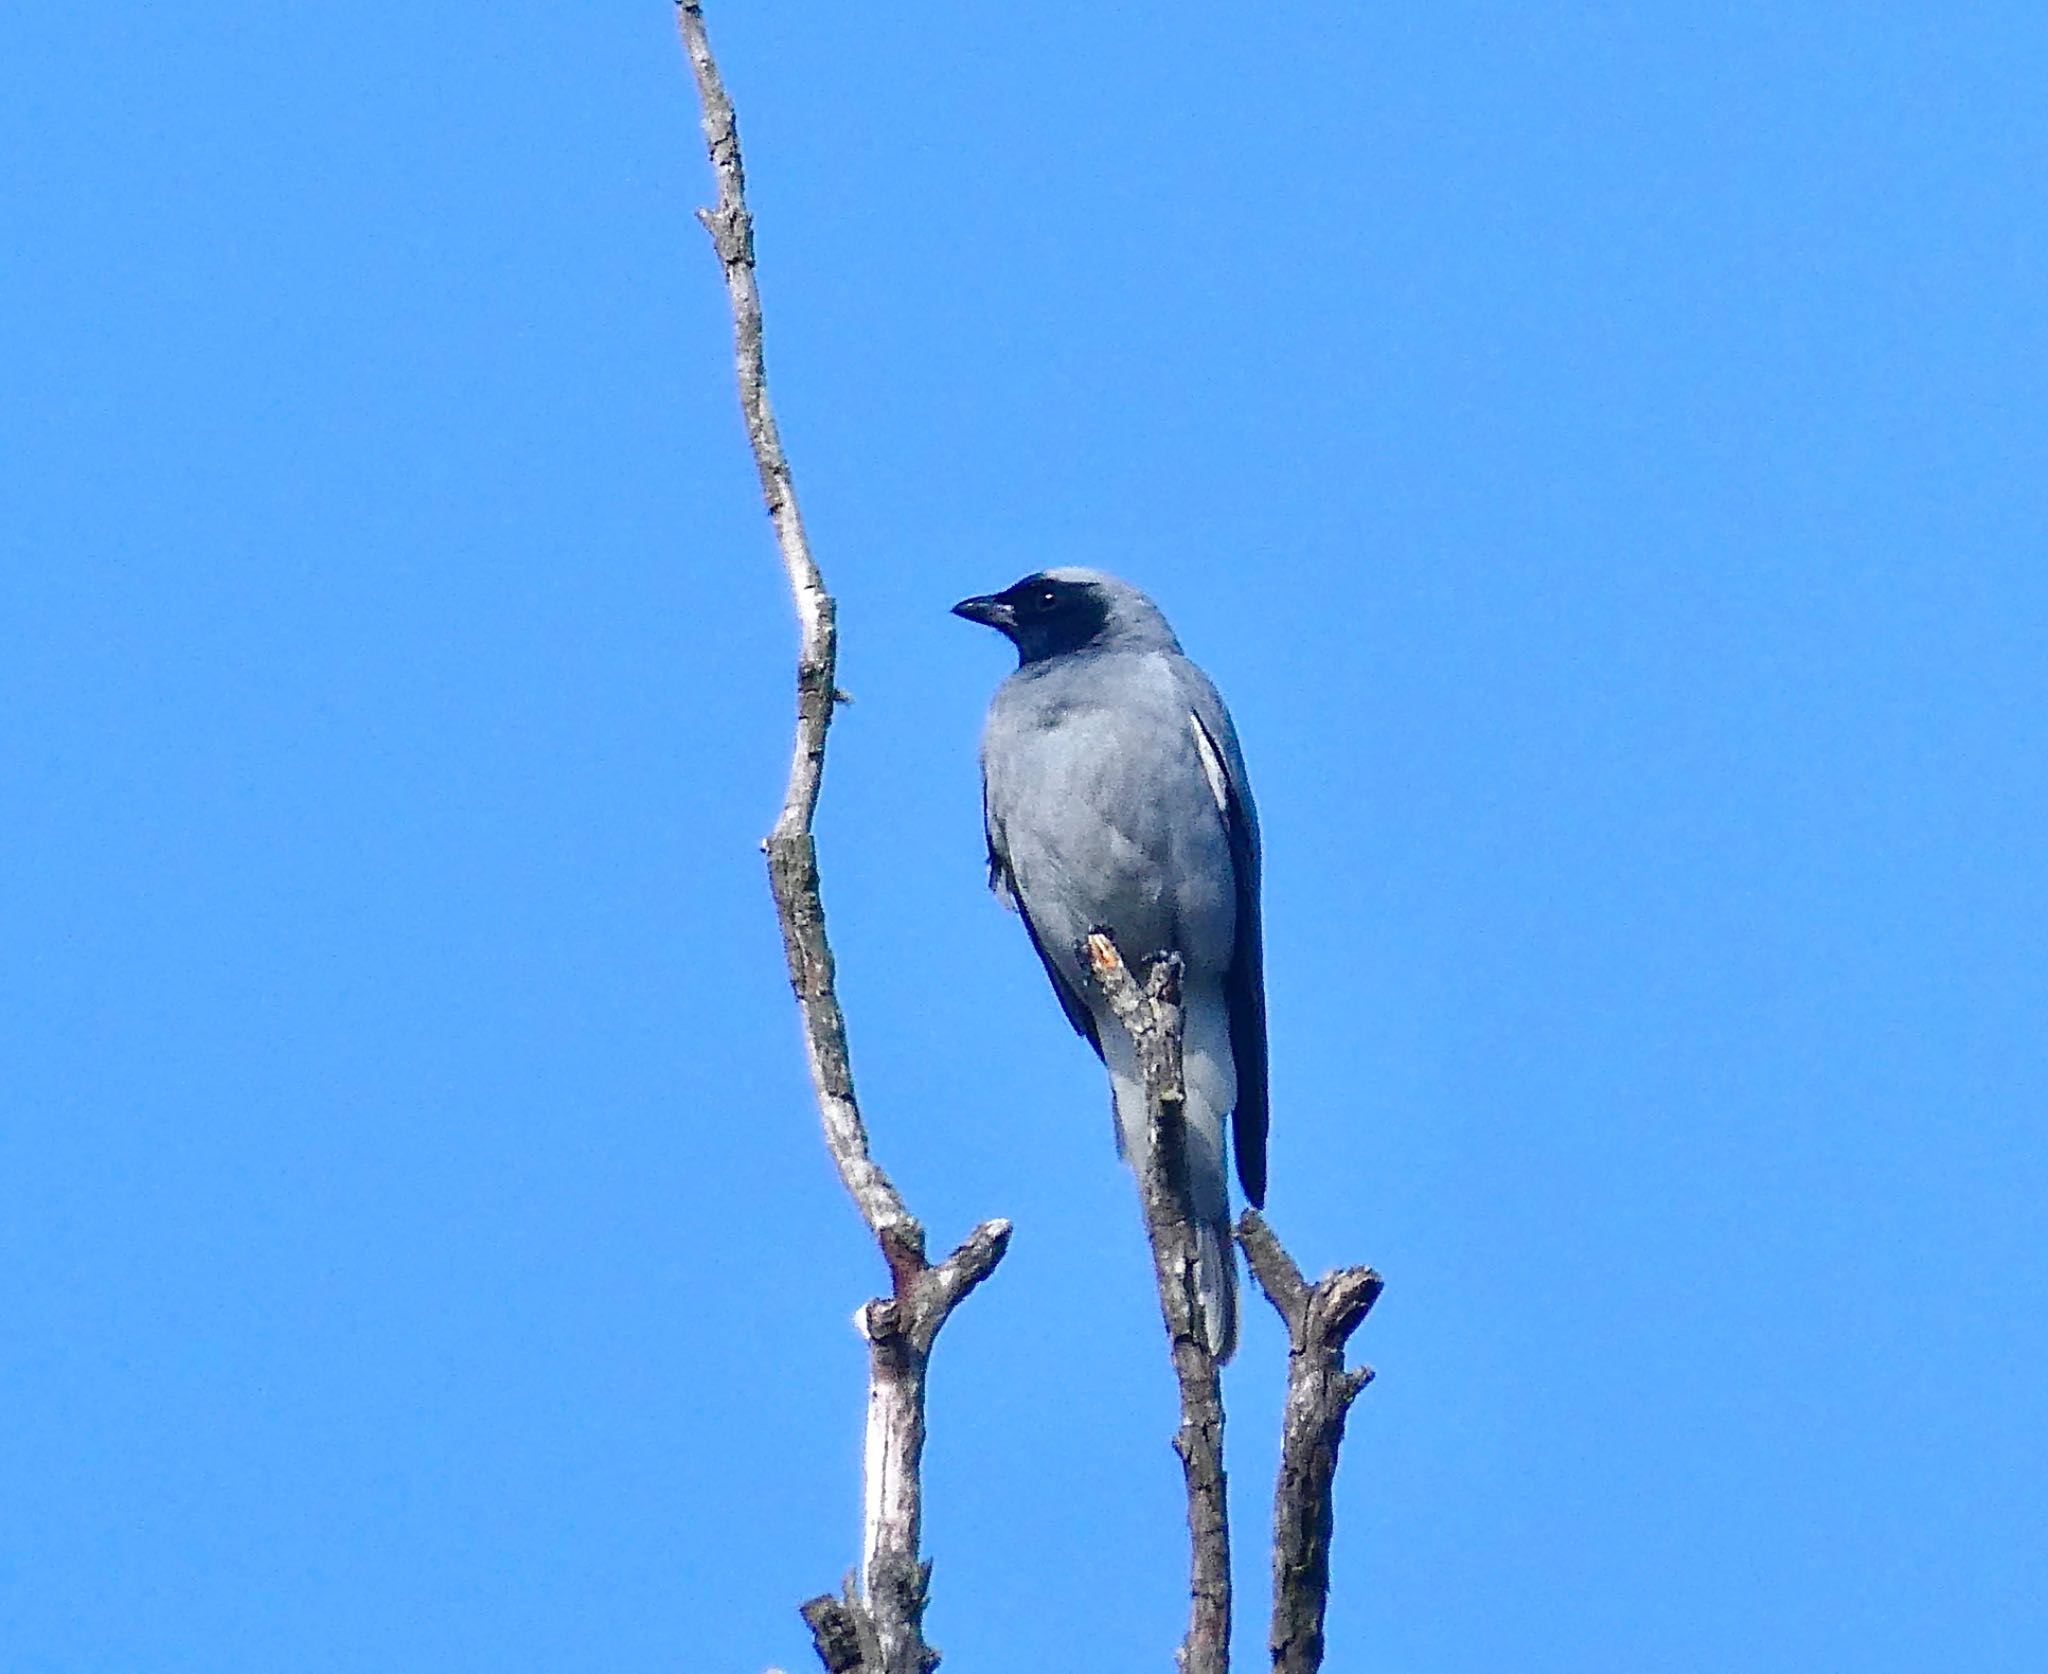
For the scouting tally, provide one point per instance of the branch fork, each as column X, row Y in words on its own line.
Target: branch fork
column 1320, row 1318
column 877, row 1627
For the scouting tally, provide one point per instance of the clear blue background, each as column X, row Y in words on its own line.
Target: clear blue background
column 1600, row 450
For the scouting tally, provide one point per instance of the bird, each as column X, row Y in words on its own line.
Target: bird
column 1114, row 797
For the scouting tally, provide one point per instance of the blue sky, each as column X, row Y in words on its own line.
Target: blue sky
column 1602, row 454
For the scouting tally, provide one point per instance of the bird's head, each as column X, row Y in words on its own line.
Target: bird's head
column 1059, row 611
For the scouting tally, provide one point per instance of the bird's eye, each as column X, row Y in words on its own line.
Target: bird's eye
column 1045, row 599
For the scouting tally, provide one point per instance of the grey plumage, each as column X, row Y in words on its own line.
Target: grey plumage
column 1115, row 797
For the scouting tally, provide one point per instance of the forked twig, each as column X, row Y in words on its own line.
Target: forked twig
column 1320, row 1318
column 879, row 1625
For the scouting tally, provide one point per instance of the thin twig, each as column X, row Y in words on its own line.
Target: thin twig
column 1152, row 1018
column 879, row 1628
column 1320, row 1319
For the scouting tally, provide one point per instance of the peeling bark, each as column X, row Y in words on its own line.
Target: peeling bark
column 1320, row 1319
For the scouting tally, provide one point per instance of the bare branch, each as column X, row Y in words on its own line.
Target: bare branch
column 792, row 855
column 1320, row 1319
column 1152, row 1018
column 900, row 1330
column 880, row 1628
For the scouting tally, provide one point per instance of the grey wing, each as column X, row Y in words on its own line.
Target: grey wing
column 1244, row 986
column 1004, row 883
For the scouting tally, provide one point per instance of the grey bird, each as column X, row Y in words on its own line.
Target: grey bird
column 1115, row 798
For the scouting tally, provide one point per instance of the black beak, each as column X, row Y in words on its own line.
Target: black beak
column 989, row 610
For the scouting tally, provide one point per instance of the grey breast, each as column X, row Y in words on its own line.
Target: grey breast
column 1097, row 786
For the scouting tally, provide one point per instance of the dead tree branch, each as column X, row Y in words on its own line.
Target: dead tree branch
column 1320, row 1319
column 880, row 1627
column 1152, row 1018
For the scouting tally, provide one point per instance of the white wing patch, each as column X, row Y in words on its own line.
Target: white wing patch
column 1212, row 764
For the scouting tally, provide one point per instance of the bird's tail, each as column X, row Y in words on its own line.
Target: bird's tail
column 1216, row 1287
column 1209, row 1097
